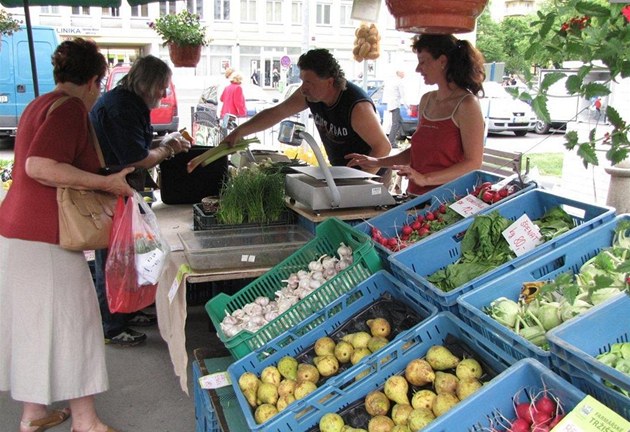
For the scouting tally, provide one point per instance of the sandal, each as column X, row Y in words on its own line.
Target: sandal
column 53, row 419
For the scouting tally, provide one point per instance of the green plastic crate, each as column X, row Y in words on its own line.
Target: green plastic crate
column 330, row 234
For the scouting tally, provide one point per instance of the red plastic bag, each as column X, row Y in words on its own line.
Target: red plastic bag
column 137, row 254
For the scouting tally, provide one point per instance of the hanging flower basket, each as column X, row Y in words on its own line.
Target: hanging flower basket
column 436, row 16
column 184, row 55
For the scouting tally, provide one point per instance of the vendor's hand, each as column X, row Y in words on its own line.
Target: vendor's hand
column 177, row 142
column 117, row 183
column 411, row 174
column 365, row 161
column 232, row 138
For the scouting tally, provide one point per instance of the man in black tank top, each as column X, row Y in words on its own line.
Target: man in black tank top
column 344, row 115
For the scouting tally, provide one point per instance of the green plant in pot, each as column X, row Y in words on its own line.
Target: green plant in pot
column 184, row 35
column 597, row 33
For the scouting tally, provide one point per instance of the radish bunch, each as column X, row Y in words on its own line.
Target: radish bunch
column 488, row 195
column 539, row 413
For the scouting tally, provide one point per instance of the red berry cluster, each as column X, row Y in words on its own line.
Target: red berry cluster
column 575, row 24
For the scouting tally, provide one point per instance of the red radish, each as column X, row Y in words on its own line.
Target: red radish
column 519, row 425
column 376, row 232
column 540, row 428
column 430, row 216
column 523, row 411
column 393, row 241
column 486, row 185
column 487, row 196
column 423, row 231
column 442, row 208
column 384, row 241
column 420, row 218
column 407, row 230
column 416, row 225
column 545, row 404
column 556, row 420
column 503, row 192
column 541, row 418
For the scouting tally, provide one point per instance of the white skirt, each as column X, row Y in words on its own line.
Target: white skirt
column 51, row 335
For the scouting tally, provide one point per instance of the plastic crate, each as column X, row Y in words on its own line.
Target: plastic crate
column 493, row 401
column 390, row 222
column 205, row 415
column 567, row 258
column 330, row 234
column 575, row 345
column 414, row 264
column 343, row 391
column 203, row 221
column 332, row 321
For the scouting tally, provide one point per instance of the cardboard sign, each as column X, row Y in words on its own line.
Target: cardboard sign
column 468, row 206
column 590, row 415
column 523, row 235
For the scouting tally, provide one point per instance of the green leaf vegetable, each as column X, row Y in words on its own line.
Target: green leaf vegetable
column 215, row 153
column 618, row 357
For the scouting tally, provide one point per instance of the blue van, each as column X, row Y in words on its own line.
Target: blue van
column 16, row 77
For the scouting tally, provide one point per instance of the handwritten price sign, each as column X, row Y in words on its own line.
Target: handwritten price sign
column 523, row 235
column 468, row 206
column 215, row 380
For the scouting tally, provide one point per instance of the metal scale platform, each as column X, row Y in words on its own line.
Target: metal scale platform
column 325, row 187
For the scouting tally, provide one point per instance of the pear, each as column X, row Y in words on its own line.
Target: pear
column 445, row 382
column 286, row 387
column 307, row 372
column 287, row 366
column 358, row 339
column 380, row 423
column 376, row 403
column 401, row 428
column 271, row 375
column 419, row 418
column 423, row 399
column 250, row 395
column 379, row 327
column 419, row 372
column 325, row 346
column 284, row 401
column 358, row 354
column 443, row 402
column 303, row 388
column 468, row 368
column 267, row 393
column 327, row 365
column 400, row 413
column 331, row 422
column 344, row 351
column 467, row 386
column 248, row 380
column 396, row 388
column 264, row 412
column 440, row 358
column 376, row 343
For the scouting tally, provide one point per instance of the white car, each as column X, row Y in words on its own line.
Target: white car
column 503, row 113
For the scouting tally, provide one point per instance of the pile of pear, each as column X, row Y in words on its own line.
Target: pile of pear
column 443, row 380
column 290, row 380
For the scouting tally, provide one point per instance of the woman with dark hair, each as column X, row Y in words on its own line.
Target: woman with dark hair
column 448, row 142
column 51, row 339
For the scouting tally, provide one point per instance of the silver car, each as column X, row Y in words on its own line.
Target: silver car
column 503, row 113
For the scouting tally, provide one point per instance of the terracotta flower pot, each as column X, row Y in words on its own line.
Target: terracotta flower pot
column 184, row 55
column 436, row 16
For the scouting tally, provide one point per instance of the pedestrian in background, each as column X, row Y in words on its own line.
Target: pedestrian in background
column 232, row 98
column 51, row 339
column 393, row 96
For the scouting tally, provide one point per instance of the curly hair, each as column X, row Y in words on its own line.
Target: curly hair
column 465, row 62
column 322, row 62
column 78, row 61
column 146, row 74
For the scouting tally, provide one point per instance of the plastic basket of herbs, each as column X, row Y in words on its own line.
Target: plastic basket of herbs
column 515, row 311
column 470, row 254
column 353, row 327
column 329, row 265
column 422, row 216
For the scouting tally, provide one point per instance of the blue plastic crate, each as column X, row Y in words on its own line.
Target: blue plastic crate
column 205, row 415
column 575, row 345
column 330, row 321
column 493, row 401
column 390, row 222
column 567, row 258
column 415, row 263
column 343, row 391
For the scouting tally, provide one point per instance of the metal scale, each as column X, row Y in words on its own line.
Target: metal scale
column 325, row 187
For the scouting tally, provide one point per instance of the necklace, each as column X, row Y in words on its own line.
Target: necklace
column 438, row 100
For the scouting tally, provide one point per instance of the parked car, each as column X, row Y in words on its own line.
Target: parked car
column 164, row 118
column 503, row 113
column 409, row 114
column 256, row 99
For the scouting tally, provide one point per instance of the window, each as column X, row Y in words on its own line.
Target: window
column 113, row 12
column 195, row 7
column 248, row 10
column 49, row 9
column 167, row 8
column 140, row 11
column 345, row 10
column 274, row 11
column 323, row 13
column 296, row 12
column 222, row 10
column 80, row 10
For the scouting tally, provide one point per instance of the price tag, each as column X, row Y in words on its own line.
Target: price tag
column 183, row 270
column 590, row 415
column 523, row 235
column 215, row 380
column 468, row 206
column 149, row 266
column 248, row 258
